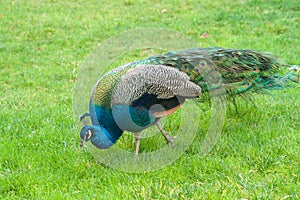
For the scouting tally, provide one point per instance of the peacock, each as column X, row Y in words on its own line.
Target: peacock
column 137, row 95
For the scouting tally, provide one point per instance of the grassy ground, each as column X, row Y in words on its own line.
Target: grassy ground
column 42, row 45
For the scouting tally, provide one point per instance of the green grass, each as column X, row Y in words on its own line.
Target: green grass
column 43, row 44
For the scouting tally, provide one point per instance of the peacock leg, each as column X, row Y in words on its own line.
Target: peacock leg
column 165, row 133
column 137, row 143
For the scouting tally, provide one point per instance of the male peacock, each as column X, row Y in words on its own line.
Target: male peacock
column 136, row 95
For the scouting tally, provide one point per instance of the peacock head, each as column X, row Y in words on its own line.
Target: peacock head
column 98, row 136
column 86, row 134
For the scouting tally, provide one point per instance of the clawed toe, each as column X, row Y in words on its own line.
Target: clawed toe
column 170, row 140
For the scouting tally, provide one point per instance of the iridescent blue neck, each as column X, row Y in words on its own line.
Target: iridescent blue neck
column 100, row 137
column 102, row 118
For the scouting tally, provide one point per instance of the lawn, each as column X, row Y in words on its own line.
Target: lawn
column 44, row 44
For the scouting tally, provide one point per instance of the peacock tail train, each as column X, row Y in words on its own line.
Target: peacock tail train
column 240, row 70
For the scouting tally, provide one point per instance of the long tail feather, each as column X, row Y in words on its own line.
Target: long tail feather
column 277, row 82
column 242, row 71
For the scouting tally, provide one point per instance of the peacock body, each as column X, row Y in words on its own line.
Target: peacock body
column 136, row 95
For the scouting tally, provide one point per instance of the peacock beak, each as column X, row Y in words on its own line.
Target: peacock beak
column 82, row 141
column 81, row 145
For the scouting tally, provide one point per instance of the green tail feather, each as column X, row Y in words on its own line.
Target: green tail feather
column 293, row 75
column 277, row 82
column 241, row 70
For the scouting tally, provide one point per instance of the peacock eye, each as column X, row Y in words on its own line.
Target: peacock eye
column 197, row 70
column 202, row 64
column 89, row 134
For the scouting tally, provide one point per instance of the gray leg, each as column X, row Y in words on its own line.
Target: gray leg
column 137, row 143
column 165, row 133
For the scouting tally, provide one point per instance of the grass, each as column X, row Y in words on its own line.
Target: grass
column 42, row 45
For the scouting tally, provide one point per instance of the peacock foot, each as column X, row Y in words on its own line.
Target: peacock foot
column 170, row 139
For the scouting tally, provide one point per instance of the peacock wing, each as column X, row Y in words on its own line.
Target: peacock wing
column 159, row 81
